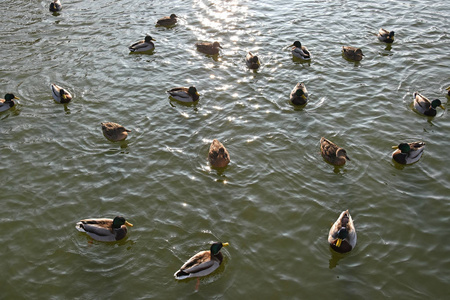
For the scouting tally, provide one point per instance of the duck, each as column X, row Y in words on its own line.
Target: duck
column 167, row 21
column 55, row 6
column 184, row 94
column 105, row 230
column 300, row 51
column 252, row 61
column 385, row 36
column 342, row 235
column 209, row 48
column 114, row 132
column 299, row 94
column 332, row 153
column 448, row 91
column 60, row 94
column 426, row 107
column 218, row 155
column 144, row 45
column 8, row 102
column 352, row 53
column 408, row 153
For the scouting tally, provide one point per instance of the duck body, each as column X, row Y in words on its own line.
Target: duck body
column 342, row 235
column 218, row 155
column 114, row 132
column 426, row 107
column 252, row 61
column 448, row 91
column 299, row 94
column 167, row 21
column 408, row 153
column 60, row 94
column 8, row 102
column 332, row 153
column 202, row 263
column 352, row 53
column 143, row 45
column 104, row 230
column 184, row 94
column 300, row 51
column 209, row 48
column 55, row 6
column 385, row 36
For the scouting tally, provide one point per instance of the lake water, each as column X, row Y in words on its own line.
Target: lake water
column 276, row 200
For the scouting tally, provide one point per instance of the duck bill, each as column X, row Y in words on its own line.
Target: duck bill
column 17, row 98
column 225, row 244
column 303, row 97
column 441, row 106
column 128, row 224
column 338, row 242
column 394, row 147
column 347, row 158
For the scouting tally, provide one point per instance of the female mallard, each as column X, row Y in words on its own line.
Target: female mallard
column 342, row 235
column 60, row 94
column 143, row 45
column 408, row 153
column 299, row 94
column 252, row 61
column 300, row 51
column 184, row 94
column 167, row 21
column 426, row 107
column 8, row 102
column 352, row 53
column 385, row 36
column 332, row 153
column 104, row 230
column 218, row 155
column 114, row 132
column 209, row 48
column 55, row 6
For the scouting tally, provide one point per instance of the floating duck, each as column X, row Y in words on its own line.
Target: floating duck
column 55, row 6
column 352, row 53
column 252, row 61
column 385, row 36
column 60, row 94
column 342, row 235
column 209, row 48
column 299, row 94
column 332, row 153
column 184, row 94
column 143, row 45
column 408, row 153
column 114, row 132
column 167, row 21
column 426, row 107
column 300, row 51
column 218, row 155
column 8, row 102
column 448, row 91
column 104, row 230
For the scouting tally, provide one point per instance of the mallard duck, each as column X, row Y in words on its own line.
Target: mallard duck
column 448, row 91
column 167, row 21
column 332, row 153
column 55, row 6
column 342, row 235
column 426, row 107
column 385, row 36
column 114, row 132
column 143, row 45
column 60, row 94
column 8, row 102
column 218, row 155
column 184, row 94
column 105, row 230
column 300, row 51
column 252, row 61
column 352, row 53
column 209, row 48
column 408, row 153
column 299, row 94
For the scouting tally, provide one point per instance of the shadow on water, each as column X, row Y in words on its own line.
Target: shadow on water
column 335, row 258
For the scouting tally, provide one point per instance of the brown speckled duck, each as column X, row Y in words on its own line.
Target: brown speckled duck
column 104, row 230
column 352, row 53
column 209, row 48
column 342, row 235
column 218, row 155
column 114, row 132
column 332, row 153
column 167, row 21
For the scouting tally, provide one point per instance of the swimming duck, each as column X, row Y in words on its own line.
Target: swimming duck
column 426, row 107
column 143, row 45
column 332, row 153
column 448, row 91
column 300, row 51
column 252, row 61
column 385, row 36
column 218, row 155
column 299, row 94
column 352, row 53
column 60, row 94
column 209, row 48
column 342, row 235
column 114, row 132
column 55, row 6
column 184, row 94
column 8, row 102
column 167, row 21
column 105, row 230
column 408, row 153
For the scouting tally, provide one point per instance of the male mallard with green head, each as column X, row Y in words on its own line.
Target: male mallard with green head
column 167, row 21
column 352, row 53
column 105, row 230
column 55, row 6
column 332, row 153
column 218, row 155
column 184, row 94
column 299, row 94
column 114, row 132
column 60, row 94
column 300, row 51
column 342, row 235
column 252, row 61
column 408, row 153
column 8, row 102
column 385, row 36
column 426, row 107
column 143, row 45
column 209, row 48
